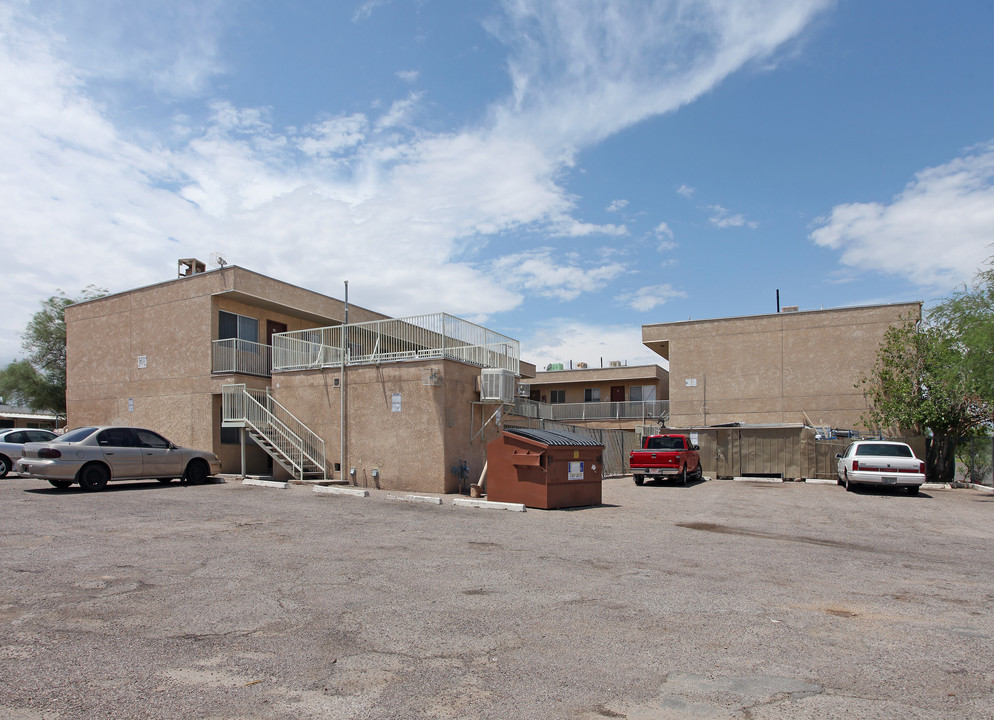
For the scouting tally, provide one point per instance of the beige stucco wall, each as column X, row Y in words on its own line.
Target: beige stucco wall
column 783, row 368
column 413, row 449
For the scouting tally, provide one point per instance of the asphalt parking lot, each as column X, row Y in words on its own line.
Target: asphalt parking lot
column 717, row 600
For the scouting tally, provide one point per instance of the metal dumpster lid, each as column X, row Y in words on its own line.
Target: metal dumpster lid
column 553, row 437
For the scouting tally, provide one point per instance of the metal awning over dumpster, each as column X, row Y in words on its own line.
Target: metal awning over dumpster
column 544, row 469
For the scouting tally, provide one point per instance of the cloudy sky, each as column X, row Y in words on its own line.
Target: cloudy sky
column 562, row 171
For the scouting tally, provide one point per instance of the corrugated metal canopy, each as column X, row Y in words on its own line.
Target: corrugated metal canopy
column 553, row 437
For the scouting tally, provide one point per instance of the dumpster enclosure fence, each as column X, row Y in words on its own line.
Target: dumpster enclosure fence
column 790, row 452
column 618, row 444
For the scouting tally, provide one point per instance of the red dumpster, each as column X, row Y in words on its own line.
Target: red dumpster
column 544, row 469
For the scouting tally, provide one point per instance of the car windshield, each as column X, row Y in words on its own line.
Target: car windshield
column 77, row 434
column 664, row 443
column 884, row 450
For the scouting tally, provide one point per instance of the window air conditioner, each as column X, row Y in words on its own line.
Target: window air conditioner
column 497, row 386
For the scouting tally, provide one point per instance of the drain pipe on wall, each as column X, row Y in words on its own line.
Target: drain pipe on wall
column 341, row 420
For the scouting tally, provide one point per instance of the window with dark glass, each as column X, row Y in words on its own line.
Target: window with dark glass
column 591, row 395
column 557, row 396
column 241, row 327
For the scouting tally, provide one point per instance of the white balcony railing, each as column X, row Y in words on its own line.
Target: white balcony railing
column 241, row 356
column 418, row 337
column 639, row 410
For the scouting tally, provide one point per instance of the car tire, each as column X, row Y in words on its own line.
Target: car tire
column 849, row 485
column 93, row 477
column 699, row 473
column 196, row 472
column 61, row 484
column 683, row 476
column 913, row 489
column 5, row 466
column 639, row 480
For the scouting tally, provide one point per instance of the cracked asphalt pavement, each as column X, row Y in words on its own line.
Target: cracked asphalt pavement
column 717, row 600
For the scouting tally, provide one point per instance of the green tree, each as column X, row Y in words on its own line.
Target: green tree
column 39, row 381
column 967, row 319
column 936, row 377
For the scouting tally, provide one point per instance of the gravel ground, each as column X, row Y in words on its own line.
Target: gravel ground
column 718, row 600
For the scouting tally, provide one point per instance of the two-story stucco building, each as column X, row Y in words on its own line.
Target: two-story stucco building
column 270, row 377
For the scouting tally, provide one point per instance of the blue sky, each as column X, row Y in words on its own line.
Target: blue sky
column 562, row 171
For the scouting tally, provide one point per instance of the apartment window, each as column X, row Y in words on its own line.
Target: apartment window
column 230, row 325
column 591, row 395
column 640, row 393
column 557, row 396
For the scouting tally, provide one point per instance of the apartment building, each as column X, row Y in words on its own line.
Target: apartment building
column 615, row 396
column 782, row 368
column 271, row 377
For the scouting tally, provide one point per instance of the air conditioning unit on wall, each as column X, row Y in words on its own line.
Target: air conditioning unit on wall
column 497, row 386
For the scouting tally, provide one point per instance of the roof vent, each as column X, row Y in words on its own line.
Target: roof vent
column 789, row 308
column 614, row 363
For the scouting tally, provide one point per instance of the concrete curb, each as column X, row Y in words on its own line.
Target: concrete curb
column 266, row 483
column 820, row 481
column 758, row 479
column 332, row 490
column 488, row 505
column 427, row 499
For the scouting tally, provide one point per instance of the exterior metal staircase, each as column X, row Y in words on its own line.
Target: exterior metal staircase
column 274, row 428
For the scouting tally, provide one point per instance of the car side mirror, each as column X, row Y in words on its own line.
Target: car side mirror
column 172, row 446
column 838, row 455
column 697, row 447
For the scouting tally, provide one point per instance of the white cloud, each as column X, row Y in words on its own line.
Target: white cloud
column 333, row 136
column 937, row 232
column 663, row 230
column 685, row 191
column 584, row 70
column 400, row 112
column 409, row 76
column 561, row 340
column 724, row 218
column 379, row 201
column 173, row 47
column 366, row 9
column 648, row 298
column 617, row 205
column 541, row 272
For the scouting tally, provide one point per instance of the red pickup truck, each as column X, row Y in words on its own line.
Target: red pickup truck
column 666, row 456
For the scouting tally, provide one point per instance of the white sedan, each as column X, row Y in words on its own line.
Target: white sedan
column 881, row 462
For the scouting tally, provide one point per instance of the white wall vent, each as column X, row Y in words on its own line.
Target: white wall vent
column 497, row 385
column 614, row 363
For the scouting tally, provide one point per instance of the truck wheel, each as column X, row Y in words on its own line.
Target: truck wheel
column 683, row 476
column 639, row 479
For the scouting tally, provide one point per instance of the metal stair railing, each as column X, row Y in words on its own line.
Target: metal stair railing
column 286, row 436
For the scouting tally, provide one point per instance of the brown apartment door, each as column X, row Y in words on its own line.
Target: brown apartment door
column 618, row 393
column 273, row 327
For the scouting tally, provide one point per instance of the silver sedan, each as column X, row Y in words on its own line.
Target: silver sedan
column 92, row 456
